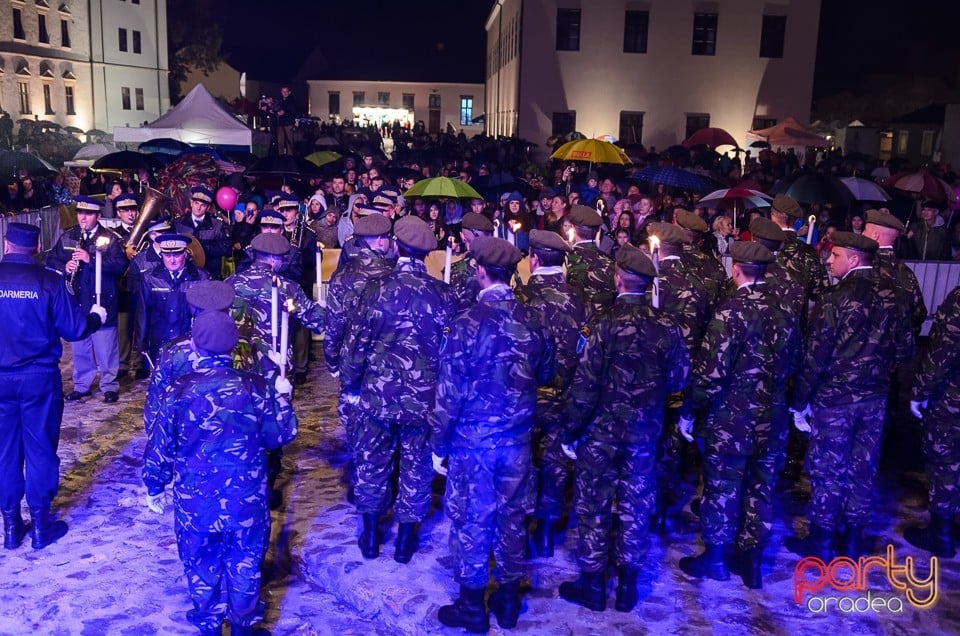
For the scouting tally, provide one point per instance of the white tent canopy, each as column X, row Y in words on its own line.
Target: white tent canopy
column 197, row 119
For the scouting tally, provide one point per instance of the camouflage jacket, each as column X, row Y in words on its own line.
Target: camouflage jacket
column 803, row 264
column 291, row 269
column 856, row 335
column 343, row 291
column 495, row 356
column 590, row 272
column 748, row 351
column 893, row 269
column 708, row 270
column 391, row 351
column 251, row 307
column 564, row 312
column 938, row 374
column 685, row 299
column 463, row 279
column 213, row 429
column 633, row 357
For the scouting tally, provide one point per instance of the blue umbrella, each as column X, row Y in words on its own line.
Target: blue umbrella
column 676, row 178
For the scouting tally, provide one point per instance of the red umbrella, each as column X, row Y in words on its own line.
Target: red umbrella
column 923, row 184
column 740, row 198
column 711, row 137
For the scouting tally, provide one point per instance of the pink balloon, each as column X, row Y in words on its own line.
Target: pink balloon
column 226, row 198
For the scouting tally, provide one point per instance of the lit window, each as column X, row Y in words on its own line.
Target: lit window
column 466, row 110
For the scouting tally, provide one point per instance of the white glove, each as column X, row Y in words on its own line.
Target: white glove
column 686, row 428
column 101, row 311
column 156, row 503
column 335, row 374
column 283, row 386
column 570, row 450
column 917, row 408
column 438, row 466
column 275, row 357
column 352, row 398
column 801, row 419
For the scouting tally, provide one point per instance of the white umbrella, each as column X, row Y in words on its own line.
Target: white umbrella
column 864, row 189
column 89, row 154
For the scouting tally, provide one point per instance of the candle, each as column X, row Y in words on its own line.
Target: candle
column 811, row 222
column 598, row 238
column 514, row 228
column 288, row 308
column 655, row 257
column 319, row 272
column 100, row 245
column 448, row 260
column 274, row 311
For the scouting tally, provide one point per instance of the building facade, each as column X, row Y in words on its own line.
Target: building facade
column 84, row 63
column 648, row 71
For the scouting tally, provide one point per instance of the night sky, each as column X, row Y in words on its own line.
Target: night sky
column 428, row 40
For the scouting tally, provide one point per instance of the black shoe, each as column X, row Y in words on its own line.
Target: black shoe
column 747, row 567
column 142, row 374
column 13, row 528
column 44, row 531
column 407, row 542
column 935, row 538
column 299, row 379
column 110, row 397
column 543, row 538
column 589, row 590
column 627, row 594
column 505, row 604
column 73, row 396
column 709, row 564
column 468, row 611
column 369, row 540
column 852, row 543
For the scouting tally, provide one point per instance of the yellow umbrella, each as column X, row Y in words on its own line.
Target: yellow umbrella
column 592, row 150
column 322, row 157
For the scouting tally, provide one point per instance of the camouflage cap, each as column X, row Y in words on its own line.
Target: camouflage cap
column 215, row 331
column 211, row 295
column 788, row 205
column 884, row 219
column 764, row 228
column 853, row 241
column 667, row 233
column 688, row 220
column 635, row 261
column 584, row 216
column 274, row 244
column 547, row 240
column 415, row 233
column 750, row 252
column 491, row 251
column 478, row 222
column 372, row 225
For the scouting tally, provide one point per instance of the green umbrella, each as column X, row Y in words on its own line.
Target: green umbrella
column 442, row 187
column 323, row 157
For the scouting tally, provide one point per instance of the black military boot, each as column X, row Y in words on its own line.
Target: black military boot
column 589, row 590
column 816, row 544
column 748, row 567
column 627, row 595
column 44, row 531
column 407, row 542
column 936, row 538
column 851, row 542
column 468, row 611
column 505, row 604
column 369, row 540
column 13, row 528
column 543, row 538
column 711, row 563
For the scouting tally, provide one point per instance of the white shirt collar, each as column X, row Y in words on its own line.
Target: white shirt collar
column 548, row 271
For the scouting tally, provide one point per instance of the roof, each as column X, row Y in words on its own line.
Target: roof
column 932, row 114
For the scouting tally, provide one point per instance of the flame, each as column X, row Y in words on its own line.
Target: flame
column 654, row 243
column 571, row 235
column 321, row 246
column 450, row 242
column 289, row 306
column 102, row 242
column 514, row 226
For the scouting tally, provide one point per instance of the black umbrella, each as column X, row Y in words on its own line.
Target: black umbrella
column 284, row 166
column 240, row 157
column 13, row 161
column 814, row 187
column 760, row 144
column 125, row 161
column 164, row 145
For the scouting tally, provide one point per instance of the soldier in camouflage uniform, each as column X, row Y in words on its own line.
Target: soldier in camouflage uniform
column 463, row 273
column 855, row 337
column 800, row 260
column 271, row 222
column 750, row 347
column 589, row 270
column 389, row 369
column 633, row 357
column 936, row 400
column 698, row 263
column 495, row 356
column 548, row 291
column 213, row 429
column 780, row 285
column 884, row 228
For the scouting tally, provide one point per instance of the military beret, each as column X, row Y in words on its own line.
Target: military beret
column 287, row 203
column 201, row 193
column 750, row 252
column 274, row 244
column 548, row 193
column 415, row 233
column 478, row 222
column 787, row 205
column 372, row 225
column 853, row 241
column 172, row 243
column 547, row 240
column 633, row 260
column 22, row 234
column 126, row 201
column 161, row 226
column 764, row 228
column 215, row 331
column 668, row 233
column 213, row 295
column 270, row 217
column 689, row 220
column 491, row 251
column 884, row 219
column 364, row 209
column 86, row 205
column 584, row 216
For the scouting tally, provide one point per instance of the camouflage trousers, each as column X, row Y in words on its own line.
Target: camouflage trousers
column 553, row 467
column 669, row 448
column 349, row 416
column 842, row 461
column 378, row 443
column 738, row 497
column 941, row 451
column 223, row 574
column 489, row 494
column 605, row 471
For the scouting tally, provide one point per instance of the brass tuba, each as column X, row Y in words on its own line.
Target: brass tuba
column 153, row 202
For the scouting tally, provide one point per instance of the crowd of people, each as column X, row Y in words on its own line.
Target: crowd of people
column 628, row 337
